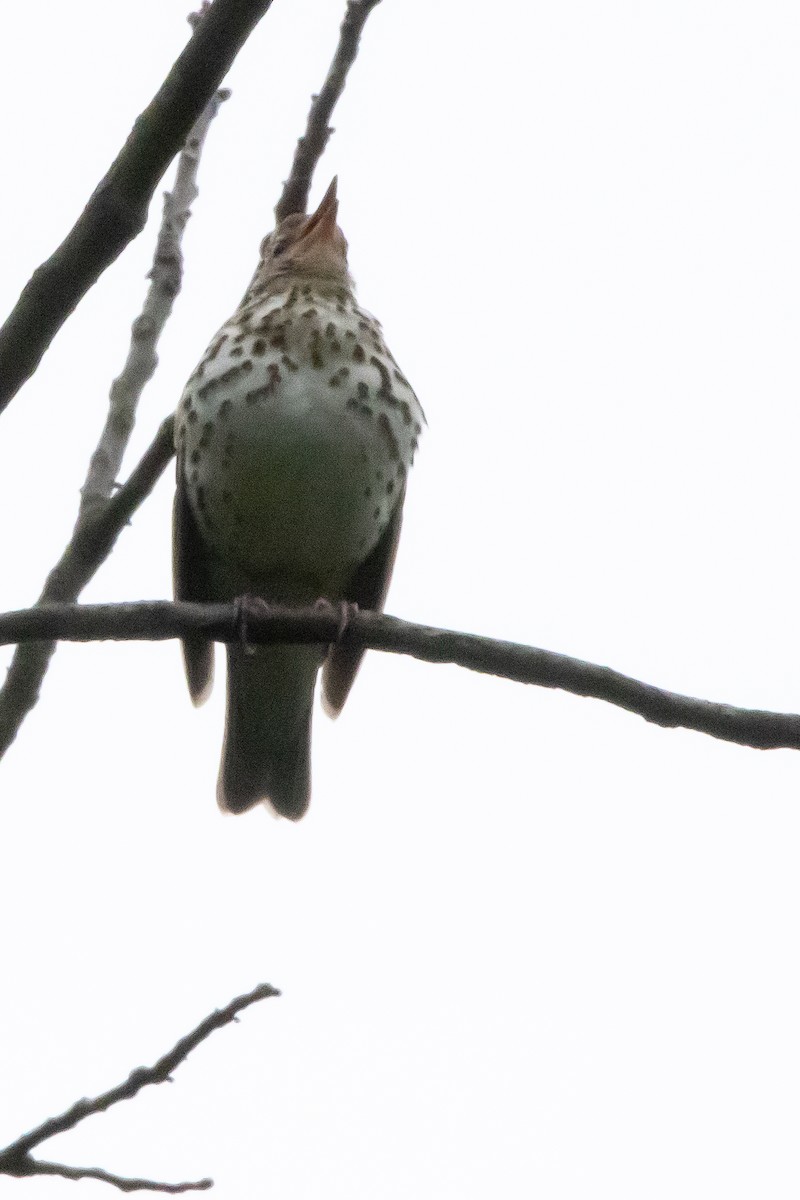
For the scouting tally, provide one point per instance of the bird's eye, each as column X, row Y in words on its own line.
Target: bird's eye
column 278, row 248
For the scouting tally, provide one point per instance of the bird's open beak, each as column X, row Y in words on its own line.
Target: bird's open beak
column 322, row 223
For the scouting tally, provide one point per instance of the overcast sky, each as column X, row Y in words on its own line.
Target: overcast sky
column 528, row 945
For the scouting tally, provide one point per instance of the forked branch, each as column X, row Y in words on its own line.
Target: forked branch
column 16, row 1159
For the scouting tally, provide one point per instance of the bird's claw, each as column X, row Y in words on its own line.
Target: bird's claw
column 345, row 611
column 247, row 607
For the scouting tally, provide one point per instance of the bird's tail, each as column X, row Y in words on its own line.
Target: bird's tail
column 267, row 751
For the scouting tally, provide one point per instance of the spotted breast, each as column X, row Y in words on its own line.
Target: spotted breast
column 294, row 436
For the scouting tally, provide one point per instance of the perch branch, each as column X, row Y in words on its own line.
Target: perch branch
column 311, row 146
column 117, row 209
column 158, row 620
column 16, row 1159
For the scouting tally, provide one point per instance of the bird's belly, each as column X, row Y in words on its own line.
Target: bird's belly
column 293, row 486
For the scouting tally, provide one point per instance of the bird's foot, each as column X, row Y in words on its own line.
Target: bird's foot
column 247, row 607
column 345, row 610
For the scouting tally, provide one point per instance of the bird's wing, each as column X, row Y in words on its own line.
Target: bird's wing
column 190, row 582
column 368, row 587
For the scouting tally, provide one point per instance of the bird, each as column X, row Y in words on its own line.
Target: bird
column 294, row 438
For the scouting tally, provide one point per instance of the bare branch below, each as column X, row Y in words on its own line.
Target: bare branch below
column 16, row 1159
column 117, row 209
column 311, row 146
column 159, row 620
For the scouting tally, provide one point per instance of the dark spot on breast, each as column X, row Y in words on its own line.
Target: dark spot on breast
column 278, row 341
column 339, row 376
column 358, row 353
column 385, row 390
column 206, row 435
column 259, row 347
column 330, row 329
column 191, row 417
column 227, row 376
column 216, row 347
column 269, row 388
column 387, row 433
column 225, row 408
column 316, row 359
column 367, row 493
column 247, row 365
column 289, row 363
column 186, row 402
column 194, row 457
column 310, row 313
column 363, row 390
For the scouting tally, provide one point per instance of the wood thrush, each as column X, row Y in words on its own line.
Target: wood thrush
column 294, row 436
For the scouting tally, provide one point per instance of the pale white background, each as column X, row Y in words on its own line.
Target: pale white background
column 529, row 945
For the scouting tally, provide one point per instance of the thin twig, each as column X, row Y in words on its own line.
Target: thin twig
column 91, row 543
column 311, row 146
column 117, row 210
column 16, row 1159
column 93, row 537
column 165, row 277
column 124, row 1183
column 159, row 620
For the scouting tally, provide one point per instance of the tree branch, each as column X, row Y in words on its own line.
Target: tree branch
column 16, row 1159
column 311, row 146
column 159, row 620
column 166, row 276
column 90, row 545
column 117, row 209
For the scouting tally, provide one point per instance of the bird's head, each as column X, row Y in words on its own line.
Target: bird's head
column 308, row 246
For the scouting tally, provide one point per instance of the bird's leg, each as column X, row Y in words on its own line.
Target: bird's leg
column 247, row 607
column 345, row 610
